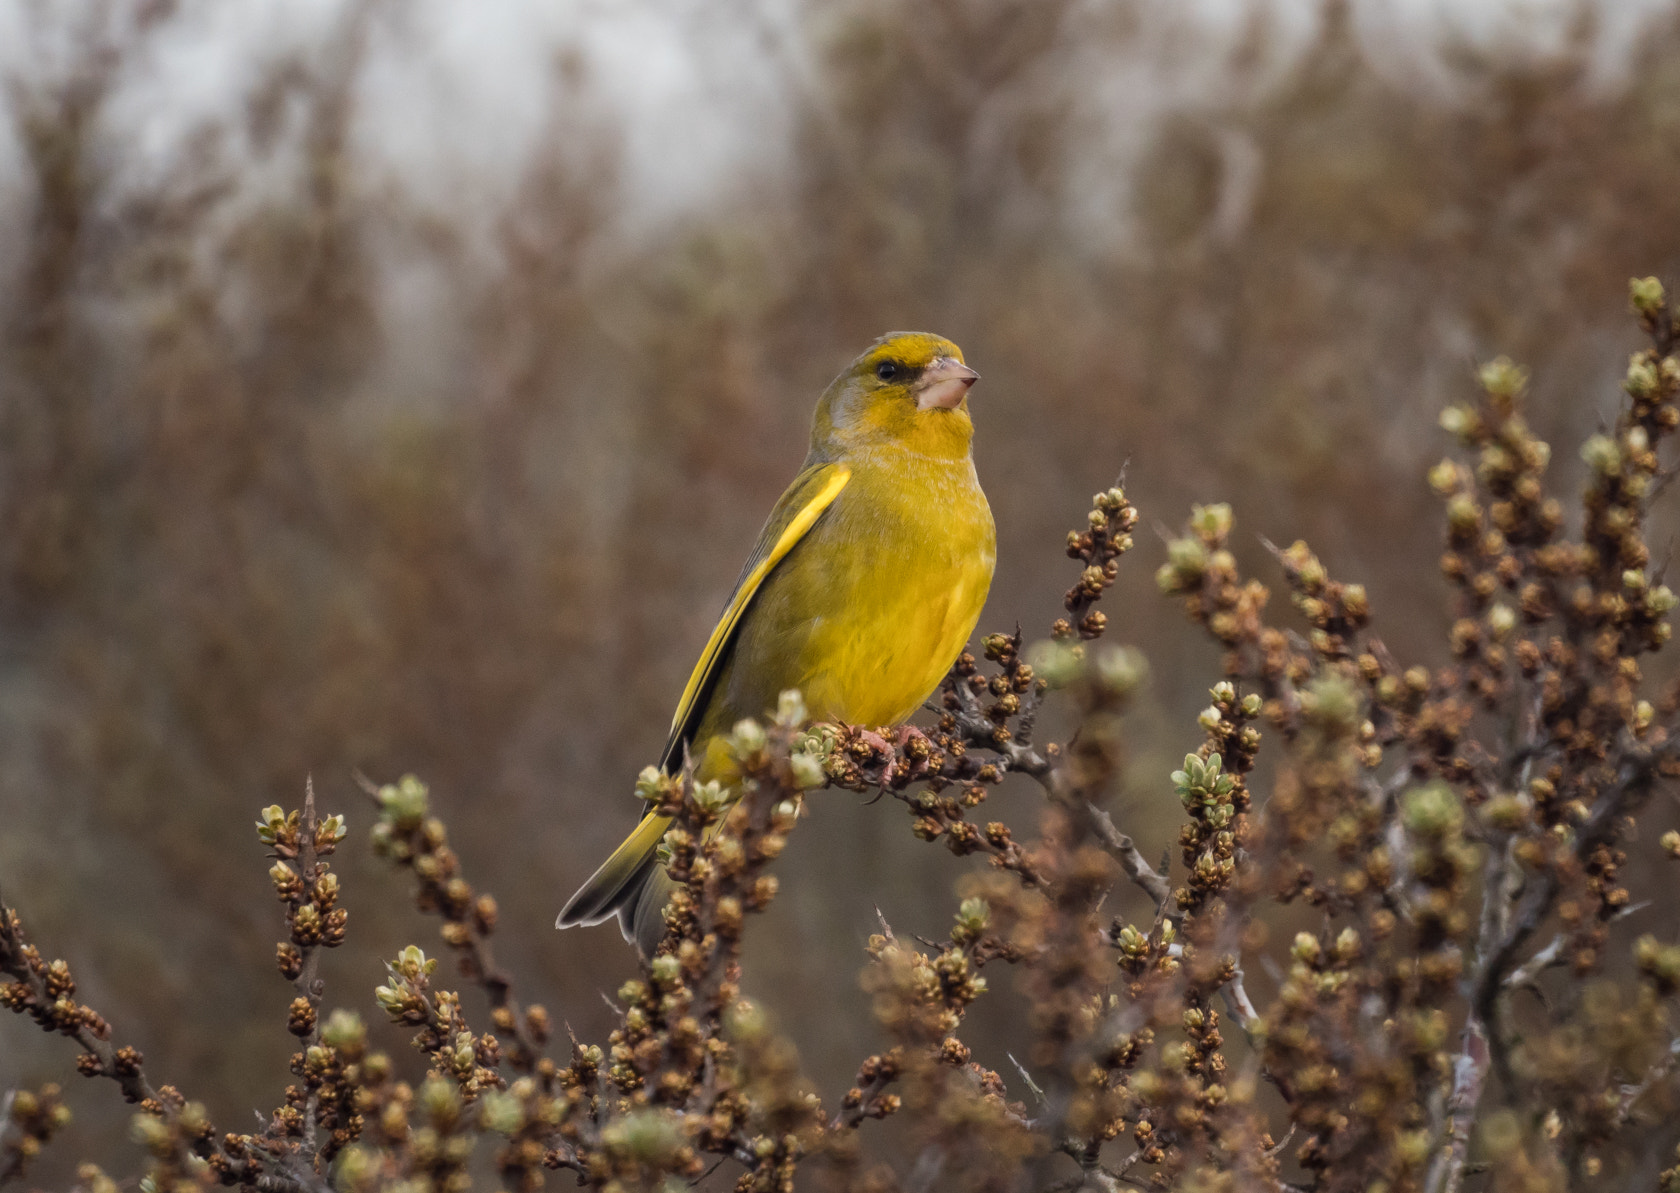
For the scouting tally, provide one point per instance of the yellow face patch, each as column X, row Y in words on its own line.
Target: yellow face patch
column 872, row 404
column 911, row 349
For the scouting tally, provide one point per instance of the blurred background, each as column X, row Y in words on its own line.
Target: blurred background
column 399, row 386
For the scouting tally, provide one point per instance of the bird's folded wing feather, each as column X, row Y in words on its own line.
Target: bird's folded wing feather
column 811, row 493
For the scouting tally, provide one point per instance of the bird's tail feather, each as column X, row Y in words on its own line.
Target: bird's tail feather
column 642, row 917
column 619, row 886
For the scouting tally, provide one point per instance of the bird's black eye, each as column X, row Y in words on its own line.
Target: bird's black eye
column 886, row 370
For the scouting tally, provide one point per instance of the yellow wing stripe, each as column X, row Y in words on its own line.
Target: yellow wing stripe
column 802, row 522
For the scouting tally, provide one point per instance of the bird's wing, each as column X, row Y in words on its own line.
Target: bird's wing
column 811, row 492
column 617, row 884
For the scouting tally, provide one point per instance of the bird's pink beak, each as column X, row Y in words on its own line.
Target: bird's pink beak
column 943, row 384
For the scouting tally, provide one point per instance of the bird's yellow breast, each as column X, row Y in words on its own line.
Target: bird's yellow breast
column 869, row 611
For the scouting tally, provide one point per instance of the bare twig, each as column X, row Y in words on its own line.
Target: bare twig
column 1241, row 1006
column 1529, row 971
column 1654, row 1076
column 1635, row 780
column 308, row 986
column 1469, row 1076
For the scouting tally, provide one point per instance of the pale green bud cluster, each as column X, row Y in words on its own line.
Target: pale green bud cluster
column 790, row 709
column 1432, row 810
column 1121, row 669
column 1202, row 784
column 1646, row 296
column 1602, row 455
column 1058, row 664
column 747, row 739
column 1501, row 378
column 405, row 802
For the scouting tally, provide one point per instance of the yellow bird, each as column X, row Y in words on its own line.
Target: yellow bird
column 864, row 587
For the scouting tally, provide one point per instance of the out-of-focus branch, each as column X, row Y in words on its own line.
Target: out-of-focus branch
column 1654, row 1076
column 1637, row 775
column 1469, row 1076
column 1552, row 954
column 29, row 1118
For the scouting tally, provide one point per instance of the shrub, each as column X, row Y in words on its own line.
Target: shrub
column 1427, row 865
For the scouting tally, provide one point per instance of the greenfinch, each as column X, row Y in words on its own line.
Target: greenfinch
column 862, row 590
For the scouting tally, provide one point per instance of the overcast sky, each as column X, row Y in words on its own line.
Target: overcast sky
column 453, row 97
column 454, row 94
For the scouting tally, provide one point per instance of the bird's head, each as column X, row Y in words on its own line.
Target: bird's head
column 909, row 389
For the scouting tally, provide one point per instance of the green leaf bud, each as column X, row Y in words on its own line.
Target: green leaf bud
column 807, row 771
column 1057, row 663
column 332, row 830
column 1306, row 949
column 1506, row 812
column 1432, row 810
column 1460, row 422
column 1602, row 455
column 1502, row 379
column 1463, row 514
column 712, row 796
column 354, row 1168
column 1121, row 669
column 344, row 1031
column 1347, row 945
column 650, row 1138
column 1646, row 297
column 1501, row 620
column 412, row 963
column 1211, row 523
column 746, row 1020
column 748, row 738
column 151, row 1133
column 405, row 801
column 1331, row 703
column 973, row 914
column 1188, row 557
column 440, row 1100
column 790, row 709
column 1659, row 962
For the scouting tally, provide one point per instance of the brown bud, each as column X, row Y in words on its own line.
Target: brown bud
column 290, row 960
column 300, row 1017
